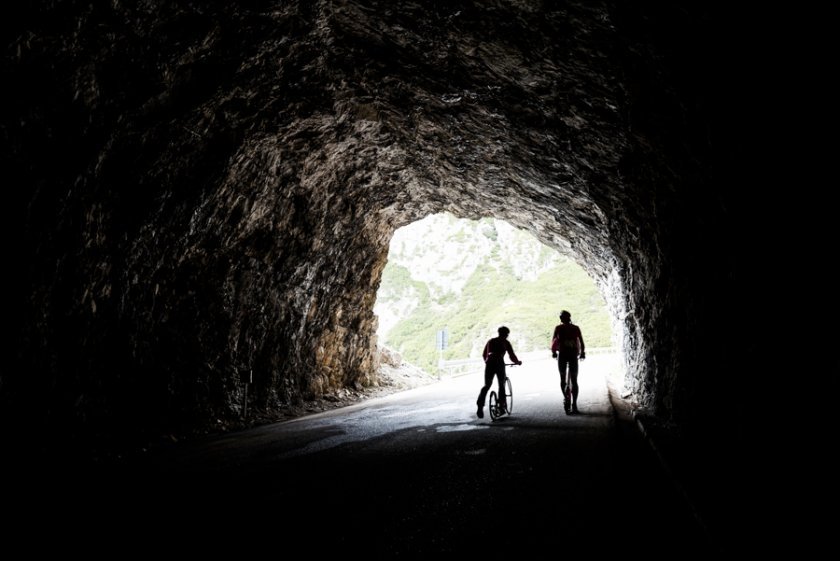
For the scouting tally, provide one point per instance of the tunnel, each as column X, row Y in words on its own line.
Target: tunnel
column 201, row 195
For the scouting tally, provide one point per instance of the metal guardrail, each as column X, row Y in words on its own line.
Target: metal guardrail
column 459, row 367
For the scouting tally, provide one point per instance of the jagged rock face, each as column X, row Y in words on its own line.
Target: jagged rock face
column 207, row 193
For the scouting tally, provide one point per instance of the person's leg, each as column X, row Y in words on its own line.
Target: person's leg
column 562, row 365
column 573, row 380
column 482, row 395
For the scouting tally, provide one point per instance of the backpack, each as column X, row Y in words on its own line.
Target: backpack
column 566, row 347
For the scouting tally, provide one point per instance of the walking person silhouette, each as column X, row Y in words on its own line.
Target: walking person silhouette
column 567, row 346
column 494, row 366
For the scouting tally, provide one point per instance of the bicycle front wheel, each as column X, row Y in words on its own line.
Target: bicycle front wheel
column 509, row 396
column 494, row 406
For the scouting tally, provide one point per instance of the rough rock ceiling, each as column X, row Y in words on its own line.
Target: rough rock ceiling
column 211, row 189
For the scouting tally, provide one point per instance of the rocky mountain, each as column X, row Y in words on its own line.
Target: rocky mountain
column 468, row 277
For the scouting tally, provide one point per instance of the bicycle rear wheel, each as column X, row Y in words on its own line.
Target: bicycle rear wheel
column 494, row 406
column 567, row 398
column 509, row 396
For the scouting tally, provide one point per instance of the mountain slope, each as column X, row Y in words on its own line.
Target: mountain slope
column 470, row 277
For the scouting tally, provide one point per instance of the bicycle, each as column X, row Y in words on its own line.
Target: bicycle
column 570, row 405
column 496, row 408
column 567, row 396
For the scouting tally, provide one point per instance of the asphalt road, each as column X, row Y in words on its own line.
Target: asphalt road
column 411, row 475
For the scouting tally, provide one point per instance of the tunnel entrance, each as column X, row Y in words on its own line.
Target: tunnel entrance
column 449, row 283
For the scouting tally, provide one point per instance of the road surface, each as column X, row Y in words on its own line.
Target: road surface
column 414, row 474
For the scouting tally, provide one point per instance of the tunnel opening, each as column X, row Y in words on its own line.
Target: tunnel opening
column 450, row 282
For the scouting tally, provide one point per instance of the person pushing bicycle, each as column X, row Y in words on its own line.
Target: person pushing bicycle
column 494, row 366
column 566, row 346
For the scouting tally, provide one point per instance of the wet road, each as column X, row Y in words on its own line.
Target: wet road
column 412, row 475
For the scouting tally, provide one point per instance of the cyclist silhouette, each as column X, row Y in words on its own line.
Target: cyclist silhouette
column 494, row 365
column 566, row 346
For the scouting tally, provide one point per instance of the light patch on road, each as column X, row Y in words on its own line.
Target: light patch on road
column 440, row 408
column 461, row 427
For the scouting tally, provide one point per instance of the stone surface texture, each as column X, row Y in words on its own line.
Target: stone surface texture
column 202, row 193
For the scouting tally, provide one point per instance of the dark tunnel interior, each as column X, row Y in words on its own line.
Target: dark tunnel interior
column 199, row 192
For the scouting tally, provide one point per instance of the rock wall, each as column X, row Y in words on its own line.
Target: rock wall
column 203, row 194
